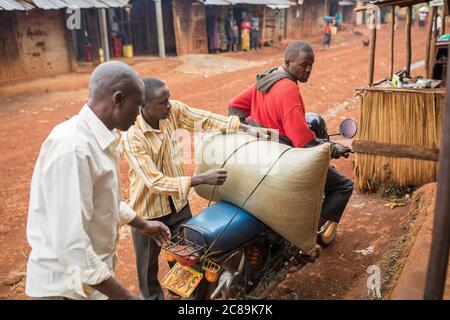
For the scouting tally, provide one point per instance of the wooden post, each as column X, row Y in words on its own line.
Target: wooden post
column 436, row 33
column 433, row 45
column 442, row 21
column 440, row 244
column 392, row 41
column 148, row 27
column 71, row 45
column 263, row 34
column 373, row 42
column 176, row 30
column 428, row 52
column 408, row 41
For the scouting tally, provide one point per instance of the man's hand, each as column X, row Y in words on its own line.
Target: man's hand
column 262, row 133
column 114, row 290
column 340, row 151
column 157, row 230
column 211, row 177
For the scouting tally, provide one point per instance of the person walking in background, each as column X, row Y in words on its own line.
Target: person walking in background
column 422, row 19
column 327, row 35
column 413, row 17
column 235, row 35
column 255, row 33
column 215, row 45
column 246, row 27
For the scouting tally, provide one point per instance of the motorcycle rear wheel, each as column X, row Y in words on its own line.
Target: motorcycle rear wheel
column 327, row 236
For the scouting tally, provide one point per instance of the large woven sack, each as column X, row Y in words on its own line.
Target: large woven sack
column 289, row 199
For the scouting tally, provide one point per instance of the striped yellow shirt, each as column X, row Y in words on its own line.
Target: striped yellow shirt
column 155, row 158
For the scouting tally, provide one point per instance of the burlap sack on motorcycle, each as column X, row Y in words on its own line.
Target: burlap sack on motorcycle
column 289, row 199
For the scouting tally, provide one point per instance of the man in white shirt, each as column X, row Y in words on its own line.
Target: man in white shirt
column 422, row 19
column 75, row 203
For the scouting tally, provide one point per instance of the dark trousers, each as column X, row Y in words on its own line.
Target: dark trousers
column 254, row 39
column 147, row 253
column 338, row 190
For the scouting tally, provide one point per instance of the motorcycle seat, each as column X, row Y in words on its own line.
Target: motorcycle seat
column 208, row 224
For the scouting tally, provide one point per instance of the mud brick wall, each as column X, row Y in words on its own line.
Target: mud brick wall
column 294, row 19
column 306, row 20
column 42, row 43
column 189, row 21
column 313, row 11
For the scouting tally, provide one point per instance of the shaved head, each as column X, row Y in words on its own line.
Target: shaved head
column 294, row 50
column 116, row 92
column 299, row 60
column 110, row 77
column 157, row 101
column 151, row 86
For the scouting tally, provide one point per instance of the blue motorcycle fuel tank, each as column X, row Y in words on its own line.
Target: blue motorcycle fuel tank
column 209, row 223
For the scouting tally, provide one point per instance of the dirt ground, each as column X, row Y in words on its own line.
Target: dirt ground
column 30, row 109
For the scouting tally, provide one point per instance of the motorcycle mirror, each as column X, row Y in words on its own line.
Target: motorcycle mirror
column 348, row 128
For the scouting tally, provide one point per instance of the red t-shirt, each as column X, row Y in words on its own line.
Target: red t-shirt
column 281, row 108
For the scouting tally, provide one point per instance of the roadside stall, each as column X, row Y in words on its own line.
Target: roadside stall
column 400, row 116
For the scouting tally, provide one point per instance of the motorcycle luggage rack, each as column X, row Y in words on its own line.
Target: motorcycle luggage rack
column 182, row 247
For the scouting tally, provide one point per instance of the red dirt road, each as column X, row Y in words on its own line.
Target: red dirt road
column 31, row 109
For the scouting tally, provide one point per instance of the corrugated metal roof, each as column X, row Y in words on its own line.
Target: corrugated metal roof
column 347, row 3
column 385, row 3
column 274, row 3
column 50, row 4
column 216, row 2
column 15, row 5
column 60, row 4
column 83, row 4
column 115, row 3
column 278, row 6
column 265, row 2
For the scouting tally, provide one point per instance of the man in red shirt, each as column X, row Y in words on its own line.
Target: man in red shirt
column 275, row 102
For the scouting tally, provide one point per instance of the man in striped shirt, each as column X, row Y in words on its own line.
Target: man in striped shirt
column 159, row 187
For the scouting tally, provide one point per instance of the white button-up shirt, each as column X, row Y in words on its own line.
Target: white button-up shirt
column 75, row 210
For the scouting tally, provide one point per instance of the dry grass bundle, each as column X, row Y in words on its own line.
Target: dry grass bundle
column 408, row 117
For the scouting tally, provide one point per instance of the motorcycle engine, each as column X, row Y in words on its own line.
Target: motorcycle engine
column 233, row 284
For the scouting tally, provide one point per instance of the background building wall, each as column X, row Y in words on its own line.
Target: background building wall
column 189, row 21
column 11, row 65
column 42, row 42
column 294, row 19
column 313, row 11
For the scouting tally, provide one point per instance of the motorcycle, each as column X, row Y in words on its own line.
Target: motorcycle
column 225, row 252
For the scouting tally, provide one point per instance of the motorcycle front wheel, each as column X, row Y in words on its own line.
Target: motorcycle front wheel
column 327, row 233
